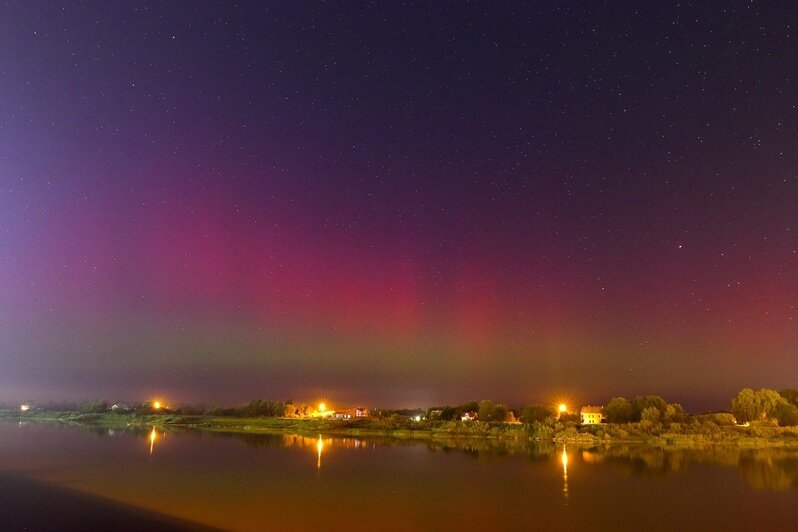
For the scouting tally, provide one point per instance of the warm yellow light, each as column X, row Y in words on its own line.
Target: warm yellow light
column 563, row 408
column 564, row 459
column 319, row 449
column 322, row 407
column 152, row 440
column 156, row 405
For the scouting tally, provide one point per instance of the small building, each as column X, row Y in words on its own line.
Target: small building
column 591, row 415
column 352, row 413
column 469, row 416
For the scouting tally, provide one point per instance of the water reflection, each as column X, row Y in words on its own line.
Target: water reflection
column 152, row 440
column 771, row 469
column 152, row 437
column 564, row 460
column 774, row 469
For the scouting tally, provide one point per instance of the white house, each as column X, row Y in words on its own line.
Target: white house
column 591, row 415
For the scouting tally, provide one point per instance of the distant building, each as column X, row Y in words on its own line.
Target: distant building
column 435, row 413
column 591, row 415
column 469, row 416
column 352, row 413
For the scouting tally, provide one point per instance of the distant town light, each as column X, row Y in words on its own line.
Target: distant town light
column 24, row 408
column 322, row 407
column 563, row 408
column 156, row 405
column 417, row 418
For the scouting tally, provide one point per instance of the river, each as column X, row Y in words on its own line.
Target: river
column 185, row 480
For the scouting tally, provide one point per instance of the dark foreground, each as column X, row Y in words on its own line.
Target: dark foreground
column 29, row 505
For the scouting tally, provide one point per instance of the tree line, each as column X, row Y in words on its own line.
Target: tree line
column 765, row 405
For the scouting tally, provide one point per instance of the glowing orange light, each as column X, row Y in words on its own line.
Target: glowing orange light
column 564, row 459
column 152, row 440
column 156, row 405
column 563, row 408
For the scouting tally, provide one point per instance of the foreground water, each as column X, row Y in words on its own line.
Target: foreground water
column 292, row 482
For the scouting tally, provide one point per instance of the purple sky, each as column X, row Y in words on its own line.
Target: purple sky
column 397, row 204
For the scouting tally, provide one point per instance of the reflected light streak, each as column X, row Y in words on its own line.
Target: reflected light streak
column 319, row 448
column 564, row 459
column 152, row 440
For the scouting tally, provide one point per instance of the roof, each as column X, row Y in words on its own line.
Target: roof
column 591, row 410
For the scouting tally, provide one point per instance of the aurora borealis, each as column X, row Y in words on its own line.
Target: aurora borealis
column 397, row 204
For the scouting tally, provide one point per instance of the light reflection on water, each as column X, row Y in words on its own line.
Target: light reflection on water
column 564, row 460
column 238, row 480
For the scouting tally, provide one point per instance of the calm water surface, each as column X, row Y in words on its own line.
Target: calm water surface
column 279, row 482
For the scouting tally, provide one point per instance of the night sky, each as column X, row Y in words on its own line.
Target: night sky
column 398, row 203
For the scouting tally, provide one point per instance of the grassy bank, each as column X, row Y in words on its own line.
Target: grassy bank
column 693, row 432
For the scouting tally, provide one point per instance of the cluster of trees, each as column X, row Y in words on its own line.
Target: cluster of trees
column 398, row 412
column 766, row 405
column 490, row 411
column 651, row 408
column 256, row 408
column 749, row 405
column 486, row 411
column 536, row 413
column 451, row 413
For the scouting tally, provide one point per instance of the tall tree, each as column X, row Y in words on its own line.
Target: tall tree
column 536, row 413
column 752, row 406
column 790, row 395
column 619, row 410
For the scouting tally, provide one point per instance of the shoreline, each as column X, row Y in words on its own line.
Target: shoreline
column 675, row 435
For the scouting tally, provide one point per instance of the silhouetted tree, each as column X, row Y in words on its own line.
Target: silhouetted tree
column 536, row 413
column 751, row 406
column 786, row 414
column 619, row 410
column 790, row 395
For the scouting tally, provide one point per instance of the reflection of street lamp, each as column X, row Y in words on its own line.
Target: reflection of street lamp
column 152, row 440
column 564, row 459
column 319, row 448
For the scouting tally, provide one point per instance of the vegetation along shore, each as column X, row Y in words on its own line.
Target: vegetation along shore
column 761, row 418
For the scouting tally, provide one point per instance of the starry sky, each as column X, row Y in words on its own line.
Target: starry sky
column 398, row 203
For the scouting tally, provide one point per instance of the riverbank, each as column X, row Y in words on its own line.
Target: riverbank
column 695, row 431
